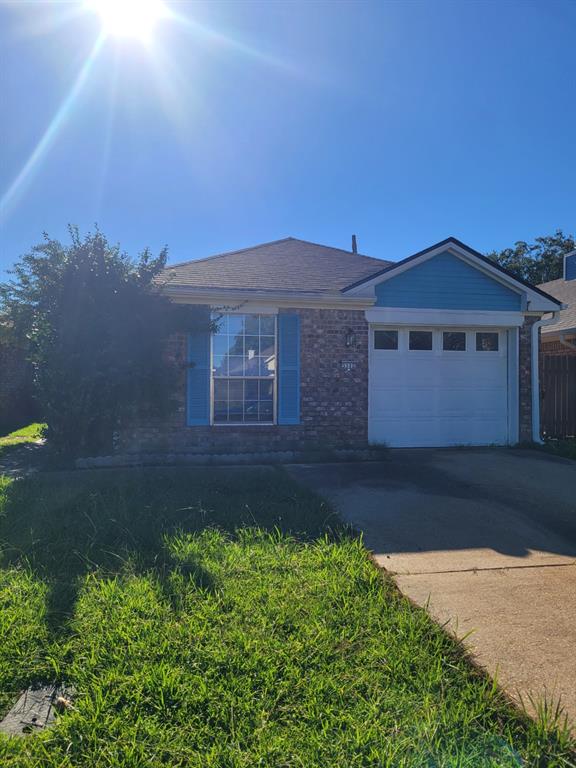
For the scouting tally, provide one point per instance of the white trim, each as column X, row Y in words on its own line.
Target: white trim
column 533, row 300
column 443, row 317
column 513, row 370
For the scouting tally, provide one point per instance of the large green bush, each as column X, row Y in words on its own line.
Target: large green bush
column 94, row 324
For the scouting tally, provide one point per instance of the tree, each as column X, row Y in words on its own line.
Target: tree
column 536, row 262
column 95, row 325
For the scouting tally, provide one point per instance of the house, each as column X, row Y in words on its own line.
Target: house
column 558, row 357
column 322, row 347
column 560, row 338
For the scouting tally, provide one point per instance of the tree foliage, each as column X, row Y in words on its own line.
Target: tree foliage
column 95, row 325
column 536, row 262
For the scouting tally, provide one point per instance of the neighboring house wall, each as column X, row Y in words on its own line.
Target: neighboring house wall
column 446, row 282
column 557, row 348
column 333, row 401
column 570, row 266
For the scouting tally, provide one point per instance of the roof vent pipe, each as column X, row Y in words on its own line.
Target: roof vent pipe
column 354, row 246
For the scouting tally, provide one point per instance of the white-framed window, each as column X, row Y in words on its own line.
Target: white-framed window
column 243, row 385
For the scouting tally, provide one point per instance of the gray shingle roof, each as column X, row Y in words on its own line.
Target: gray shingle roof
column 564, row 291
column 285, row 265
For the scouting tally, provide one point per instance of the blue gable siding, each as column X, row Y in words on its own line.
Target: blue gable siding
column 446, row 282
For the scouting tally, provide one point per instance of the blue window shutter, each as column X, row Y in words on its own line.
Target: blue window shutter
column 288, row 369
column 199, row 377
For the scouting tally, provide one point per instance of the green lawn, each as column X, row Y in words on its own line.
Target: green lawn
column 221, row 618
column 28, row 434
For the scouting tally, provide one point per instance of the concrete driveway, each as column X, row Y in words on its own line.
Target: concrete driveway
column 487, row 539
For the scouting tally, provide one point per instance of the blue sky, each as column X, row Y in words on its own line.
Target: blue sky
column 403, row 122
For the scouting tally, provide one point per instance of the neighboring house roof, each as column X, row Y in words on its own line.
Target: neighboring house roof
column 564, row 291
column 282, row 265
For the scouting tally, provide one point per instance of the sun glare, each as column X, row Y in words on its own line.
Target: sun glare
column 129, row 18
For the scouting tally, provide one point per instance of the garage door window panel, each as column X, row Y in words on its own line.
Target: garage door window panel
column 486, row 341
column 454, row 341
column 420, row 341
column 386, row 340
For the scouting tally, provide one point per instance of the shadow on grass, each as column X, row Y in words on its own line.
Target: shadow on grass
column 64, row 525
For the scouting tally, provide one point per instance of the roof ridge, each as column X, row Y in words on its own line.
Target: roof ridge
column 273, row 242
column 229, row 253
column 334, row 248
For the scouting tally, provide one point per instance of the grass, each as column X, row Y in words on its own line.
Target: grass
column 223, row 618
column 29, row 434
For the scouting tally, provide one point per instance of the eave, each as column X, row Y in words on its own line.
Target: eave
column 222, row 297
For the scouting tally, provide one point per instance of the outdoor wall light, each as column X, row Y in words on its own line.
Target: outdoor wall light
column 350, row 339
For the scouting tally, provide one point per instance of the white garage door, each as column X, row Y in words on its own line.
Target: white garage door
column 437, row 387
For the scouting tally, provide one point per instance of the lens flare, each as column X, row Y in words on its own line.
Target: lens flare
column 133, row 20
column 50, row 134
column 129, row 18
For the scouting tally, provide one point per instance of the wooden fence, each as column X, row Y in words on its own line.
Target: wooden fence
column 558, row 382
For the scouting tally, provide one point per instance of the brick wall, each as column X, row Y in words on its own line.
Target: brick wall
column 525, row 372
column 333, row 401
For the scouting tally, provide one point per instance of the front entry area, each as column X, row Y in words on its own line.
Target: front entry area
column 434, row 387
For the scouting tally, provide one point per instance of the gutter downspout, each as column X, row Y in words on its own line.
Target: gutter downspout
column 564, row 342
column 536, row 438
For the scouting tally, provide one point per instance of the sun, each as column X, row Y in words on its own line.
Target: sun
column 129, row 18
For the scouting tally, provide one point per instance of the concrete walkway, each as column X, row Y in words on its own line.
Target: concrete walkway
column 487, row 537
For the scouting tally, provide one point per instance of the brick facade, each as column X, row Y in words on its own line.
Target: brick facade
column 333, row 401
column 525, row 373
